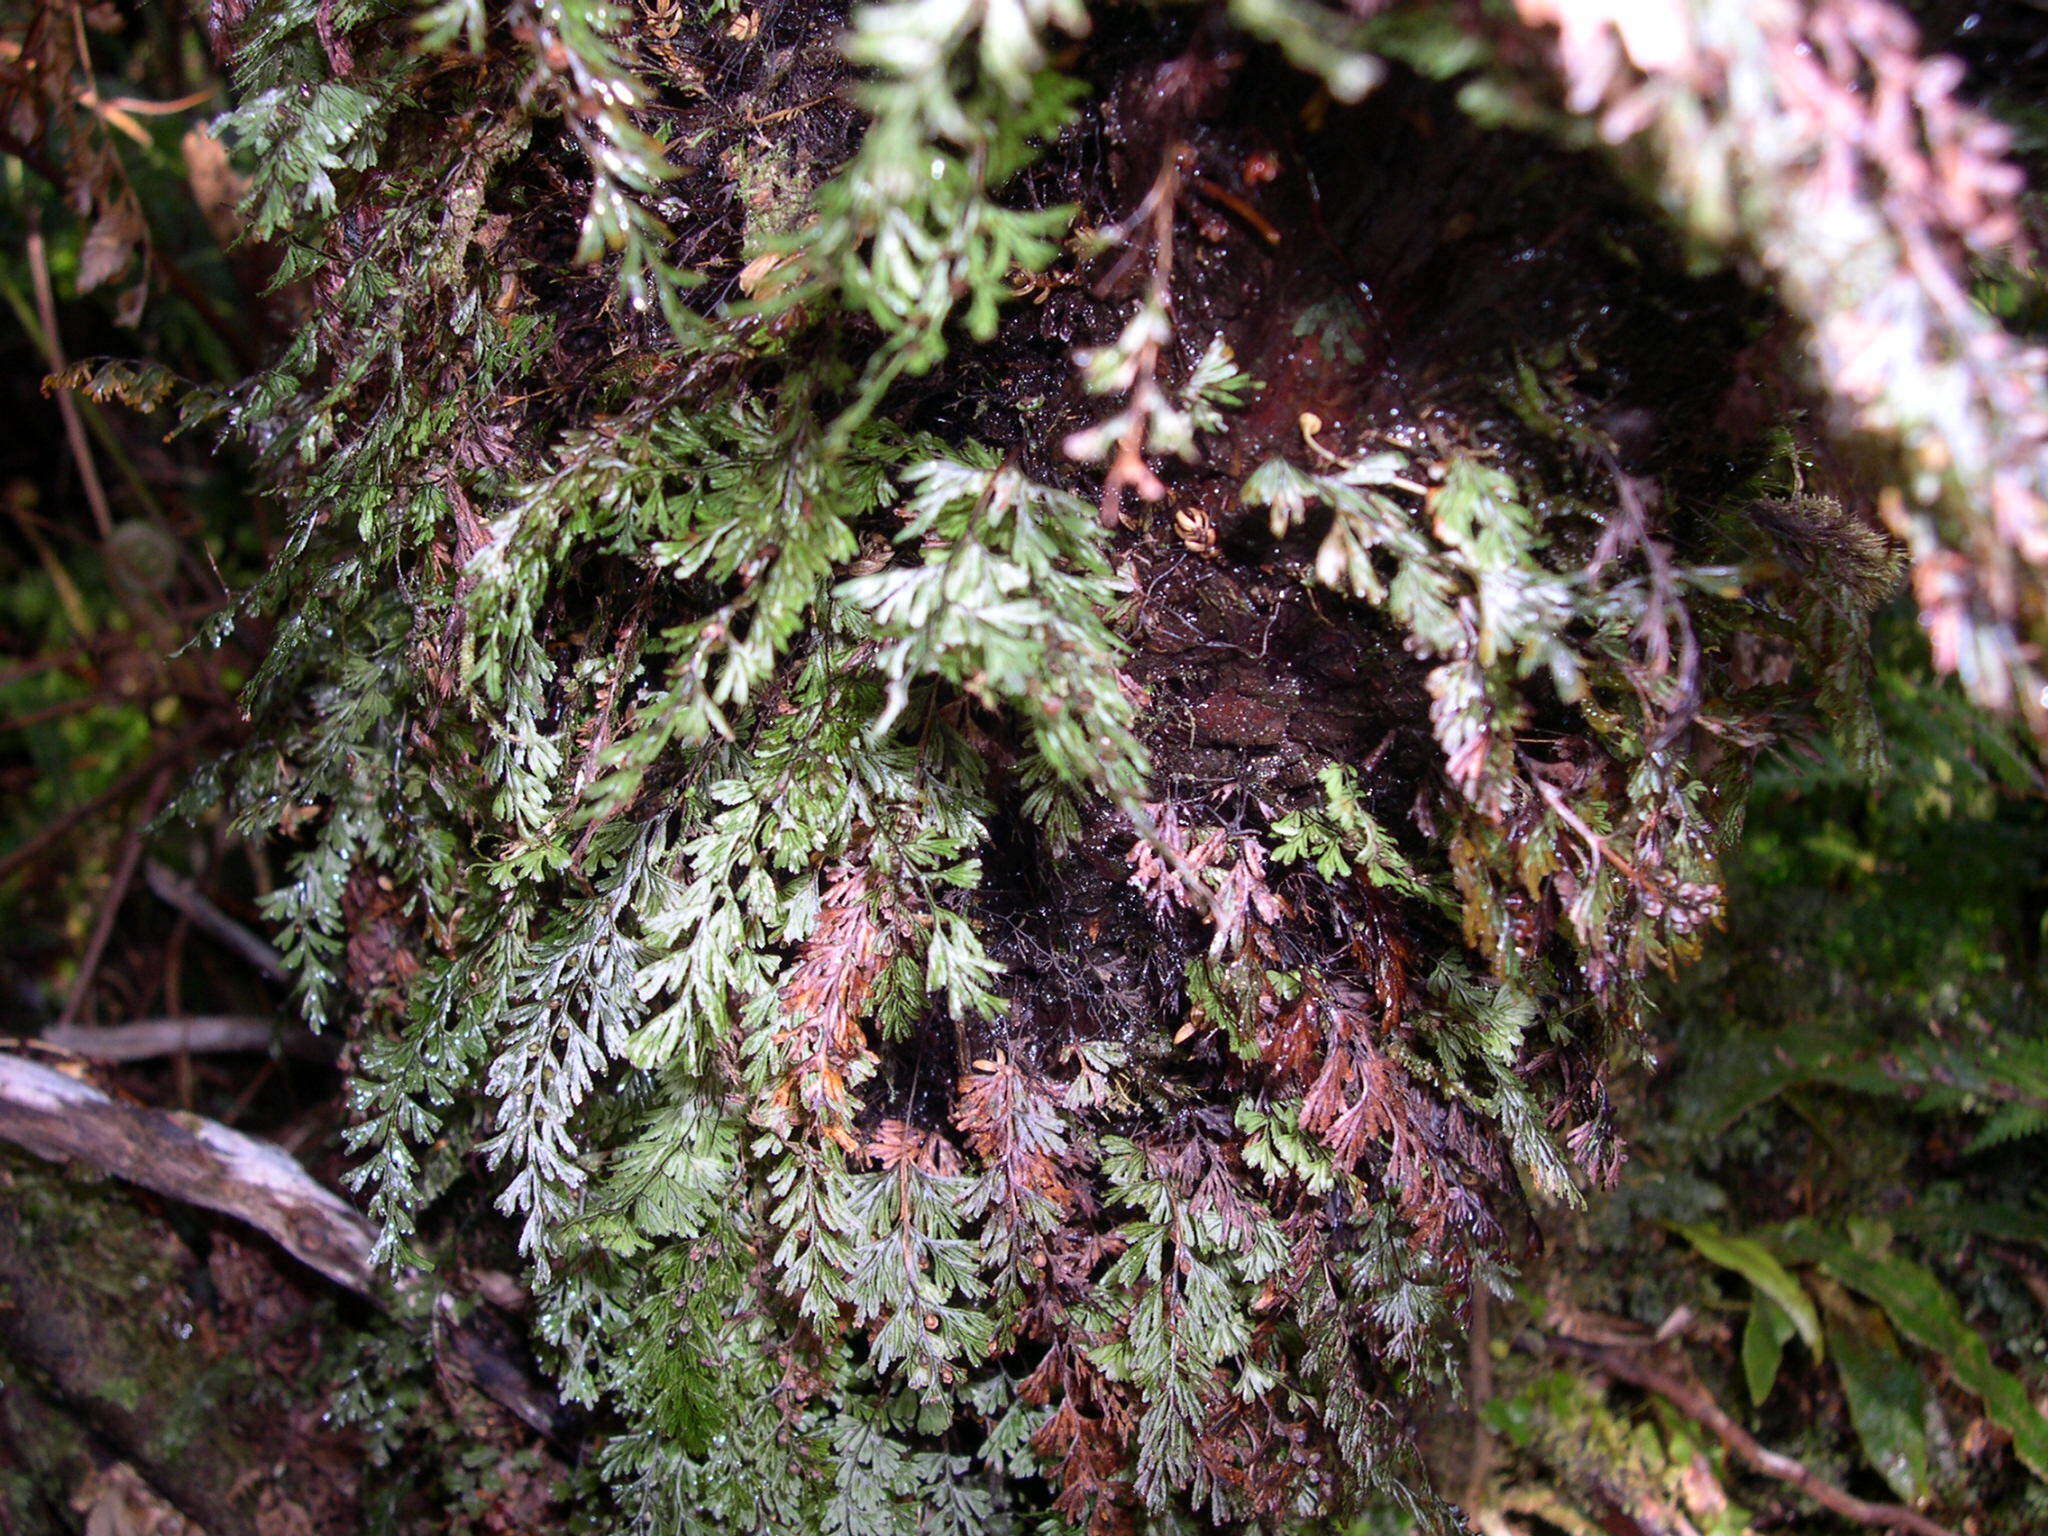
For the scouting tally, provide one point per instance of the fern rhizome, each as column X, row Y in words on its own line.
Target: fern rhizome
column 996, row 709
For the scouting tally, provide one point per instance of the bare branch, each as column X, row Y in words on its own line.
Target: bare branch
column 117, row 892
column 52, row 832
column 175, row 890
column 200, row 1035
column 1697, row 1404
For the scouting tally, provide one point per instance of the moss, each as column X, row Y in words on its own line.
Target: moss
column 116, row 1318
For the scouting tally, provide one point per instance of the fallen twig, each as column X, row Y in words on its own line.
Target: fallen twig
column 201, row 1162
column 35, row 846
column 117, row 892
column 176, row 891
column 67, row 407
column 1697, row 1404
column 1478, row 1392
column 200, row 1035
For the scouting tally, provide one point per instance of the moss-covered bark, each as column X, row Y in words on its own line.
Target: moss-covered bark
column 120, row 1344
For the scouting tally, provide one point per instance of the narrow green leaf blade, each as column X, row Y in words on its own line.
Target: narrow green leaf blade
column 1756, row 1264
column 1921, row 1308
column 1887, row 1402
column 1764, row 1338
